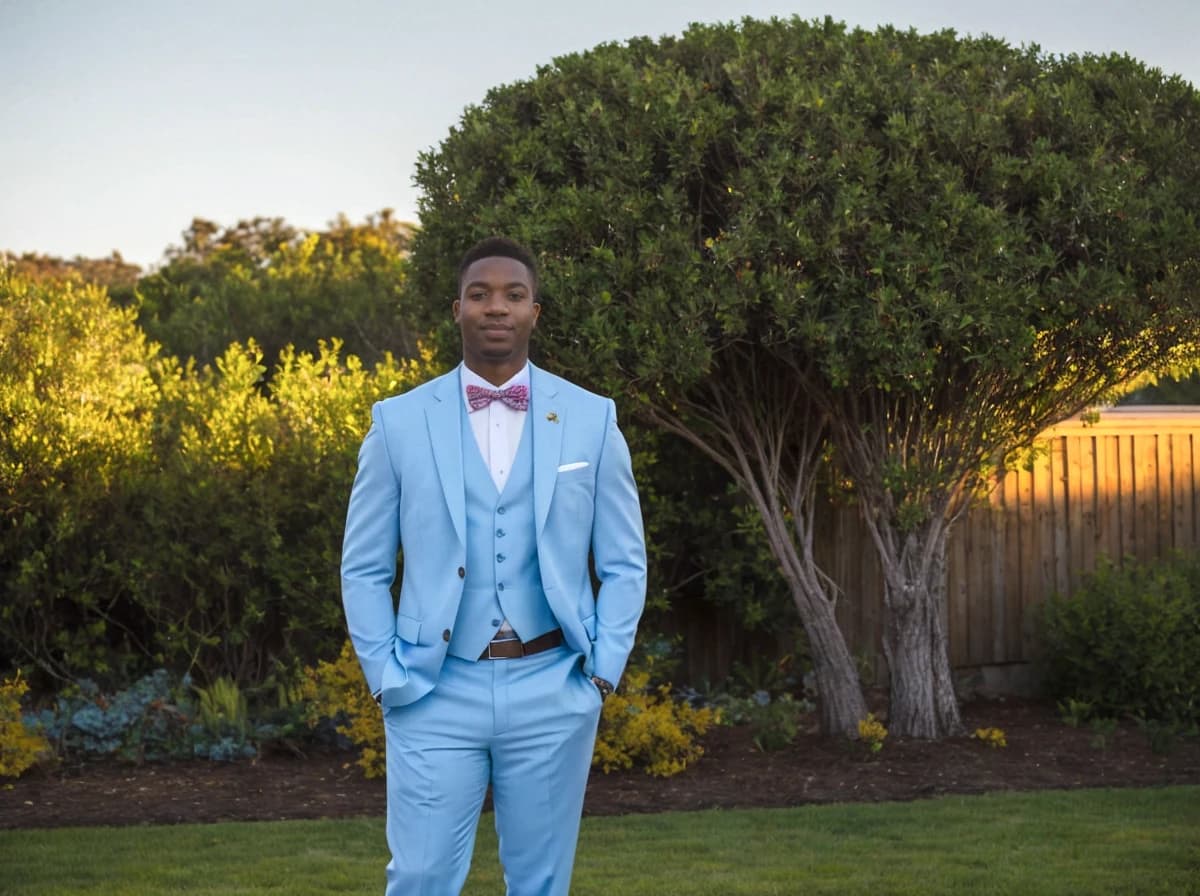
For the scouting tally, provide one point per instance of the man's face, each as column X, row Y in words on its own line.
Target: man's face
column 496, row 311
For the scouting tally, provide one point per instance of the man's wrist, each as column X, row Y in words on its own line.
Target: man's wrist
column 603, row 686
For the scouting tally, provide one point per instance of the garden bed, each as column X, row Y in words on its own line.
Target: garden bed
column 1042, row 752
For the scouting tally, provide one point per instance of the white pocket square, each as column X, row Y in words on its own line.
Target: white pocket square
column 577, row 465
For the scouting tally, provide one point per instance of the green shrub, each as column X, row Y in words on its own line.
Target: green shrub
column 142, row 722
column 160, row 717
column 766, row 694
column 776, row 722
column 1127, row 644
column 222, row 729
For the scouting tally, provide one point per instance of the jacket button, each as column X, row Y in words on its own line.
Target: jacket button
column 446, row 635
column 462, row 573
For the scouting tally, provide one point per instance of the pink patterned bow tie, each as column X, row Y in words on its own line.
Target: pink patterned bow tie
column 516, row 397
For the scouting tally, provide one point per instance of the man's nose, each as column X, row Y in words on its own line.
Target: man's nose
column 496, row 304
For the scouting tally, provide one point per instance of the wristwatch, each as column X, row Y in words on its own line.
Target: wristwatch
column 604, row 687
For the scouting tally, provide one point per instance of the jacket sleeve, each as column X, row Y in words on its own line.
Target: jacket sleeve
column 369, row 550
column 619, row 552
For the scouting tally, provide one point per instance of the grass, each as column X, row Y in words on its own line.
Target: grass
column 1080, row 841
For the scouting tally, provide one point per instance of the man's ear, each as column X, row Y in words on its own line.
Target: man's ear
column 537, row 312
column 454, row 306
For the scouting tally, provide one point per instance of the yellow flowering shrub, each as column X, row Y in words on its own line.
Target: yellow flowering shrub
column 642, row 725
column 20, row 748
column 872, row 732
column 336, row 690
column 993, row 737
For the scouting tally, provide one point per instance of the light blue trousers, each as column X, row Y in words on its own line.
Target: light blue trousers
column 528, row 727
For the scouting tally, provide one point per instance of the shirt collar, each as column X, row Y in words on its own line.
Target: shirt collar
column 468, row 377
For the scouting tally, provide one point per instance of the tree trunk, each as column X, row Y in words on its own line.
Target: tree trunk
column 839, row 692
column 766, row 435
column 923, row 702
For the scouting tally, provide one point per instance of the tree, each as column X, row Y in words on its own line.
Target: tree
column 611, row 183
column 1182, row 387
column 265, row 280
column 249, row 242
column 114, row 273
column 785, row 240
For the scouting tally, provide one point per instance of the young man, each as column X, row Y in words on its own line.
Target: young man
column 498, row 481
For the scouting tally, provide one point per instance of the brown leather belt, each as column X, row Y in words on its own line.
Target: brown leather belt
column 515, row 648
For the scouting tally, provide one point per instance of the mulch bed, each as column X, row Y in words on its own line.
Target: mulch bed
column 1042, row 753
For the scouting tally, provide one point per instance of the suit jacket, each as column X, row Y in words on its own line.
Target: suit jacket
column 409, row 494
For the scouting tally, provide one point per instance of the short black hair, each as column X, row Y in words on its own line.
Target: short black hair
column 499, row 247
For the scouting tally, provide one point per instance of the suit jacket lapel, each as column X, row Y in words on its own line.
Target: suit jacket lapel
column 443, row 416
column 548, row 417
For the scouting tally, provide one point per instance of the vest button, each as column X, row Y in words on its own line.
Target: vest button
column 446, row 635
column 500, row 510
column 496, row 622
column 499, row 533
column 500, row 587
column 499, row 558
column 462, row 573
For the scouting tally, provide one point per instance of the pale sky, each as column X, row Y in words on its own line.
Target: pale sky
column 121, row 120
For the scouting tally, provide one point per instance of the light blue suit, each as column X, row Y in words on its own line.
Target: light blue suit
column 453, row 725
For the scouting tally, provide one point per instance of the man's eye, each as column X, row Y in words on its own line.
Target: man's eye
column 477, row 295
column 516, row 296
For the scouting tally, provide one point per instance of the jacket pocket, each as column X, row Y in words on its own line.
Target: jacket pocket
column 408, row 629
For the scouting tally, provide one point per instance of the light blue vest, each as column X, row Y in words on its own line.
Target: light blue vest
column 503, row 578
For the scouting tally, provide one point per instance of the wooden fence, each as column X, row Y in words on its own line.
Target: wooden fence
column 1126, row 486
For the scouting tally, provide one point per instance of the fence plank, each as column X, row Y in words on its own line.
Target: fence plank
column 1010, row 593
column 1073, row 519
column 1108, row 491
column 1128, row 497
column 1060, row 501
column 1088, row 534
column 1031, row 558
column 1183, row 486
column 1145, row 453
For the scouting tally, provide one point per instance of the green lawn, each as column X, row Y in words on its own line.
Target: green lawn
column 1069, row 842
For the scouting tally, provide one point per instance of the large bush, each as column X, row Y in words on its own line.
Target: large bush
column 231, row 551
column 78, row 397
column 159, row 515
column 1128, row 642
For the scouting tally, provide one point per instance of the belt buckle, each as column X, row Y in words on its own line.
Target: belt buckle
column 492, row 656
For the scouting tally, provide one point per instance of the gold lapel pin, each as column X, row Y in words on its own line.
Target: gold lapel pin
column 552, row 417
